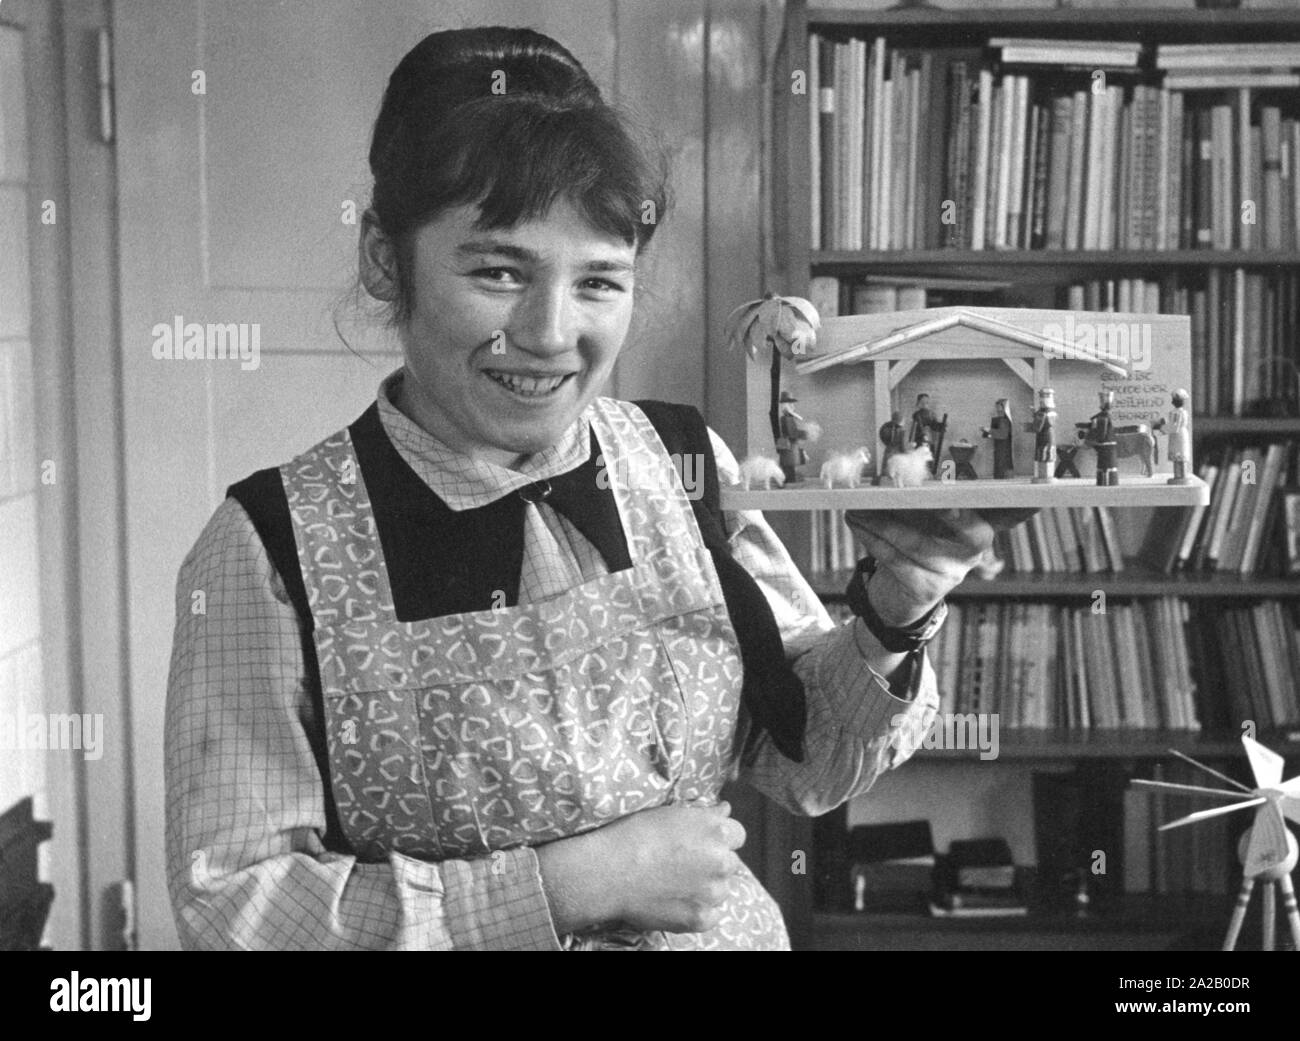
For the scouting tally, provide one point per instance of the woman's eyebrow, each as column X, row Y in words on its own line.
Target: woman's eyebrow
column 609, row 265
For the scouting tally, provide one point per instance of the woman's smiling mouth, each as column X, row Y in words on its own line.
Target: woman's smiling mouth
column 528, row 386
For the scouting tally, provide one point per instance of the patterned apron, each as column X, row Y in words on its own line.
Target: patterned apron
column 456, row 736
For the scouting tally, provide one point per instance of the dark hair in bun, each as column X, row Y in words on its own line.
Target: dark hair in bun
column 444, row 138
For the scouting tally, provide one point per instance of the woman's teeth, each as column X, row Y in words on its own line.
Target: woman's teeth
column 527, row 385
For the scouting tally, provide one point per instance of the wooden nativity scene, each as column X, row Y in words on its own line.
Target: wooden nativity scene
column 966, row 407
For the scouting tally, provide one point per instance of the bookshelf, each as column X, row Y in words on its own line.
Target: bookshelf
column 1042, row 277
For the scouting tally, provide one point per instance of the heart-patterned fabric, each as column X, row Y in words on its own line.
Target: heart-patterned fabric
column 481, row 731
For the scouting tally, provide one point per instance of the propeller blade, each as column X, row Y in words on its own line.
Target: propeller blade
column 1209, row 770
column 1267, row 841
column 1218, row 811
column 1195, row 789
column 1290, row 788
column 1266, row 764
column 1290, row 807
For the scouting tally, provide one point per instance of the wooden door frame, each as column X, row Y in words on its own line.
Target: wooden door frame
column 77, row 398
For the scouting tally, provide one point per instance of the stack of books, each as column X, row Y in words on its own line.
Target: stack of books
column 1066, row 539
column 978, row 879
column 880, row 294
column 1043, row 666
column 1245, row 328
column 1052, row 157
column 1243, row 530
column 891, row 866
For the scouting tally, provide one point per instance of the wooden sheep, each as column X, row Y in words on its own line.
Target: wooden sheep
column 760, row 469
column 845, row 468
column 908, row 469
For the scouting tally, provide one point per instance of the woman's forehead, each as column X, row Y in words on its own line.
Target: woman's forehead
column 561, row 230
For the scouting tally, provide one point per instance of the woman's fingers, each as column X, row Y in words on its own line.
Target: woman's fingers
column 930, row 539
column 1001, row 520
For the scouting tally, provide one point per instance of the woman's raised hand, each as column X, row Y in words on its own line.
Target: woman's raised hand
column 667, row 868
column 922, row 555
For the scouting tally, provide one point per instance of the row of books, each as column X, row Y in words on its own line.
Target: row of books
column 1244, row 528
column 1195, row 859
column 833, row 547
column 1153, row 663
column 1045, row 665
column 880, row 294
column 1248, row 658
column 923, row 150
column 1070, row 539
column 1245, row 330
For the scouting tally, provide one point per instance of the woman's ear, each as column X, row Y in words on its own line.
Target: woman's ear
column 377, row 260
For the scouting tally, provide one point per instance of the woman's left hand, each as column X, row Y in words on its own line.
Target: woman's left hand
column 922, row 555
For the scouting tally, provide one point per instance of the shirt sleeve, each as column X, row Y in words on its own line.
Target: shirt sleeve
column 246, row 864
column 856, row 727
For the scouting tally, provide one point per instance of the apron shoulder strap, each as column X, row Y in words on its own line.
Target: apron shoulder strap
column 263, row 498
column 683, row 431
column 772, row 691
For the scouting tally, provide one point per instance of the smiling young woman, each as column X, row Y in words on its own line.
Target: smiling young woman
column 460, row 684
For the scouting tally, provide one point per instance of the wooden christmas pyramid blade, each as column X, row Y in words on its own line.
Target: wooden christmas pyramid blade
column 1194, row 789
column 1266, row 764
column 1209, row 770
column 1218, row 811
column 1268, row 844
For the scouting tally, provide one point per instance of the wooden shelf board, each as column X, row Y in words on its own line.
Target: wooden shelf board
column 827, row 259
column 989, row 494
column 1136, row 581
column 1170, row 22
column 1222, row 425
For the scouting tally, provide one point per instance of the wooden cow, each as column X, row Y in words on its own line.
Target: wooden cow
column 1132, row 441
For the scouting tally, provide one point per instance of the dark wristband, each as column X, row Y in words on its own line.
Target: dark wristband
column 897, row 640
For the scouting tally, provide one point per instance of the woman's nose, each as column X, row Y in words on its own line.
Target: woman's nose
column 544, row 321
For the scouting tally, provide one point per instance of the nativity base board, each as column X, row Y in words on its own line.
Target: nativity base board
column 1012, row 493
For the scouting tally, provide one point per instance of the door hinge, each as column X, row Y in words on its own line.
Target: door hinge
column 105, row 86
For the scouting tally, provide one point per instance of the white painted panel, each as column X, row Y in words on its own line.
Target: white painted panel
column 18, row 464
column 291, row 100
column 15, row 270
column 19, row 574
column 13, row 117
column 293, row 402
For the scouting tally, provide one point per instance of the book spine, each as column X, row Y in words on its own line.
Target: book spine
column 826, row 146
column 1242, row 180
column 1205, row 179
column 814, row 143
column 983, row 138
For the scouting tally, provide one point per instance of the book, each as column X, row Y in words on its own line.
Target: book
column 983, row 864
column 954, row 907
column 892, row 865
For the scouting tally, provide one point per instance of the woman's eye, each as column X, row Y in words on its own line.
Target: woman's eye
column 503, row 275
column 604, row 285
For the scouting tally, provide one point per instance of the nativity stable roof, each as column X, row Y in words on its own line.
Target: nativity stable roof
column 900, row 342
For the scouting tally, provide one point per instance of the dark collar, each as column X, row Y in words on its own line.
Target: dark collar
column 443, row 561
